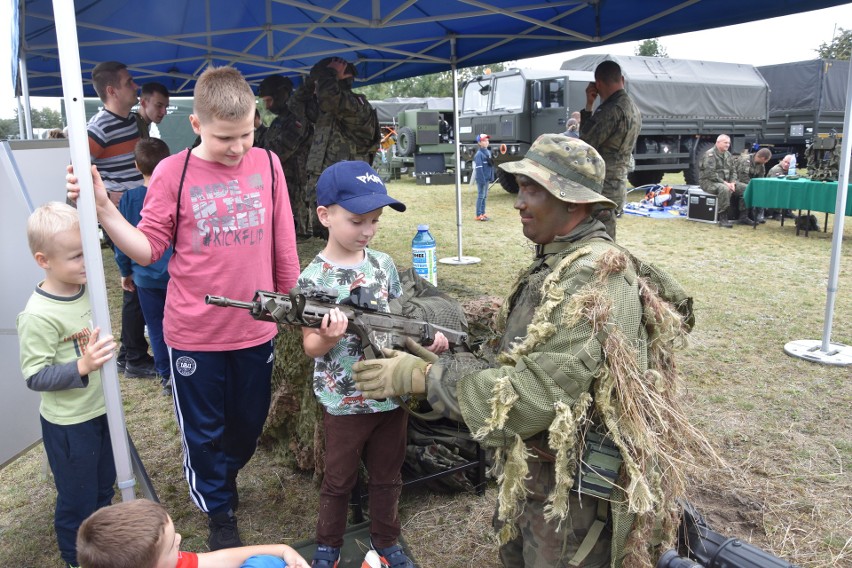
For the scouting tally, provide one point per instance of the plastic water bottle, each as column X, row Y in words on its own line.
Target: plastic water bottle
column 424, row 256
column 791, row 171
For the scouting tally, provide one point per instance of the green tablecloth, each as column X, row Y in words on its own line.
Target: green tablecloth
column 799, row 193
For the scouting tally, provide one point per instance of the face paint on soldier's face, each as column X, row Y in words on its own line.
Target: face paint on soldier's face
column 543, row 216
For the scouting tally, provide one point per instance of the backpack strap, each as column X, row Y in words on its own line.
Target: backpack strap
column 272, row 220
column 177, row 206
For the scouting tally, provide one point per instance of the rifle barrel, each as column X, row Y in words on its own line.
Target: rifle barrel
column 227, row 302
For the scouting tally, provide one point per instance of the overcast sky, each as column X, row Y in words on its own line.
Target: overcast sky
column 770, row 41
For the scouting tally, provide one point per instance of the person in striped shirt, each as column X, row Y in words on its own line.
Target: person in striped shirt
column 113, row 132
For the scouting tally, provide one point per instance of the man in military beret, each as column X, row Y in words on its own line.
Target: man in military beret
column 573, row 328
column 289, row 136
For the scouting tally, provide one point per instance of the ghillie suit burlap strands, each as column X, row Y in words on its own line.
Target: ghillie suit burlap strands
column 635, row 399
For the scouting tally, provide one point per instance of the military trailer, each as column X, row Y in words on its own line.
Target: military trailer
column 417, row 137
column 685, row 105
column 806, row 98
column 514, row 108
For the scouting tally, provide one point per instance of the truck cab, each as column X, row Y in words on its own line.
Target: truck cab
column 514, row 108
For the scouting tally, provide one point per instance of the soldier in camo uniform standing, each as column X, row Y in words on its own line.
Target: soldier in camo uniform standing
column 346, row 127
column 612, row 130
column 289, row 136
column 718, row 176
column 750, row 166
column 551, row 391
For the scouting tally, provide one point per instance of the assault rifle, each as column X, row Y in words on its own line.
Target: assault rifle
column 306, row 308
column 701, row 547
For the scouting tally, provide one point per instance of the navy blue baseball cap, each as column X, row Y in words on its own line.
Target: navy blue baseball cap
column 356, row 187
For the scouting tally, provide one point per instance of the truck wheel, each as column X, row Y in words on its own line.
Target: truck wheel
column 405, row 141
column 693, row 174
column 507, row 181
column 644, row 177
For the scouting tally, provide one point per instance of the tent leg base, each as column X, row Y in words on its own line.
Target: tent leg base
column 811, row 350
column 459, row 260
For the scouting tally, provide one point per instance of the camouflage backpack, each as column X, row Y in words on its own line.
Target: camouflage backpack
column 823, row 157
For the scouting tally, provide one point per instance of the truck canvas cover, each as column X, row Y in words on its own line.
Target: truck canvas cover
column 816, row 85
column 388, row 109
column 680, row 89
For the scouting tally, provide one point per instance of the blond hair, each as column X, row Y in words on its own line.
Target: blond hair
column 222, row 93
column 124, row 535
column 47, row 221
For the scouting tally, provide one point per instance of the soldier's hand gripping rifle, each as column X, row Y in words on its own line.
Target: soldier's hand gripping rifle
column 701, row 547
column 307, row 307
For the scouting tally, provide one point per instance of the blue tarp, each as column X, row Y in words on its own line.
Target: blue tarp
column 172, row 41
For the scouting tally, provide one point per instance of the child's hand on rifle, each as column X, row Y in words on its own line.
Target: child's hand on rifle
column 439, row 345
column 333, row 325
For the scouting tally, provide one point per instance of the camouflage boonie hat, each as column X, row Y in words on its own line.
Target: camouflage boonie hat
column 567, row 167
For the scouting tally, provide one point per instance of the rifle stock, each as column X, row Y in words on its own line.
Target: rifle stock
column 307, row 308
column 702, row 547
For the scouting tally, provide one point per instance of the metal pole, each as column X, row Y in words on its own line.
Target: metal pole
column 458, row 259
column 27, row 132
column 825, row 351
column 72, row 89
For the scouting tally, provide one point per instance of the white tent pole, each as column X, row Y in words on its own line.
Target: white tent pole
column 25, row 90
column 21, row 122
column 458, row 259
column 839, row 216
column 72, row 89
column 825, row 351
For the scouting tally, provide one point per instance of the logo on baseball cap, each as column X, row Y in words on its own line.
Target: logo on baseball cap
column 356, row 187
column 481, row 137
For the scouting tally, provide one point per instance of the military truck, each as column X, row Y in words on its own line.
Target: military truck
column 685, row 105
column 514, row 108
column 806, row 98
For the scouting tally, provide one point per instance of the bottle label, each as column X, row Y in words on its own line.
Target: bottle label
column 425, row 262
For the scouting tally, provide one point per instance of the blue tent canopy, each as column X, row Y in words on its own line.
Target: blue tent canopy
column 172, row 41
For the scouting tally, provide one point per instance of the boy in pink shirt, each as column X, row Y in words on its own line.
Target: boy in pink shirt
column 224, row 208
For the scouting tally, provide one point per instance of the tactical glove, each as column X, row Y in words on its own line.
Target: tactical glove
column 397, row 375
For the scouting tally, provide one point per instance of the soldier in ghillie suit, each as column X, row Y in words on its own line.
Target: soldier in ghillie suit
column 586, row 371
column 750, row 166
column 718, row 175
column 612, row 130
column 289, row 136
column 346, row 127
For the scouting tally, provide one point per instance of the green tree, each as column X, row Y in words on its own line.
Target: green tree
column 840, row 46
column 44, row 118
column 8, row 127
column 433, row 85
column 651, row 48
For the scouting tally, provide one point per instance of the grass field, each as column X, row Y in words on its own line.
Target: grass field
column 783, row 425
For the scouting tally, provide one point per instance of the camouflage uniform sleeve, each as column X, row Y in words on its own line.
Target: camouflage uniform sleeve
column 709, row 171
column 328, row 91
column 597, row 128
column 560, row 368
column 743, row 169
column 303, row 103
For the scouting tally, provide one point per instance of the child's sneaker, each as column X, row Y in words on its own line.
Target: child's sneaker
column 392, row 557
column 326, row 557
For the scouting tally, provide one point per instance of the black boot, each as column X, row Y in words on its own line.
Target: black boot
column 761, row 218
column 722, row 221
column 743, row 218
